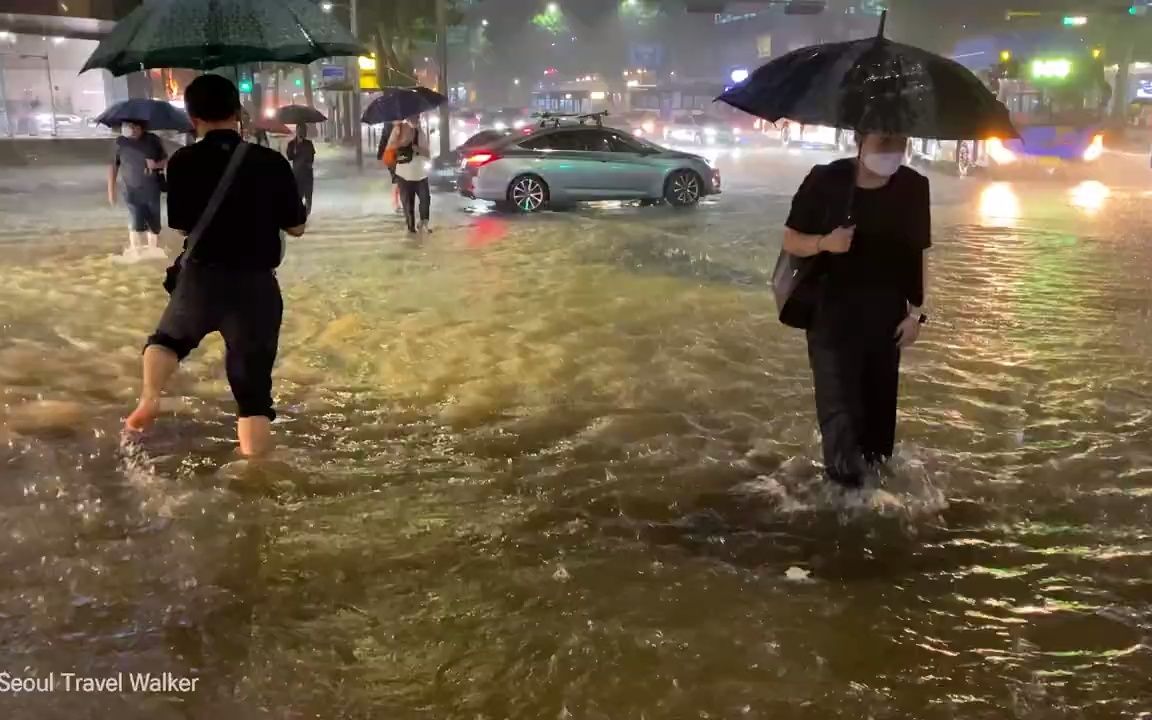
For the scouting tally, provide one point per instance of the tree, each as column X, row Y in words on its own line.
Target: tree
column 394, row 29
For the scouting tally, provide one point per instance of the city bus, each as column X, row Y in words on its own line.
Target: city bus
column 1058, row 104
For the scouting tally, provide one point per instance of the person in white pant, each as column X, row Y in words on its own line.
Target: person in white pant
column 138, row 164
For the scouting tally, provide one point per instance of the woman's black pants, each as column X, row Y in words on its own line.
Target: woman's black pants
column 409, row 191
column 856, row 371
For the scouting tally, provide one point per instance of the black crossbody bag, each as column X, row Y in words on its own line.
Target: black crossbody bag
column 172, row 274
column 796, row 280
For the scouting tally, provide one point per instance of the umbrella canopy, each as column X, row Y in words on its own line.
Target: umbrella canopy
column 874, row 85
column 207, row 34
column 155, row 114
column 399, row 103
column 300, row 115
column 271, row 125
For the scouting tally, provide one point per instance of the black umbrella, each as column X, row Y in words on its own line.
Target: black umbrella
column 207, row 34
column 399, row 103
column 300, row 115
column 874, row 85
column 155, row 114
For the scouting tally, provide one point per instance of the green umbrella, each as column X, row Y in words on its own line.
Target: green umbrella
column 207, row 34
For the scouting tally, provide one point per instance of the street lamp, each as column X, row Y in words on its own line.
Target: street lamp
column 352, row 66
column 552, row 8
column 484, row 22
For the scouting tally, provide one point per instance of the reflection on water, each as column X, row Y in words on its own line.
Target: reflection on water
column 565, row 466
column 999, row 205
column 1090, row 196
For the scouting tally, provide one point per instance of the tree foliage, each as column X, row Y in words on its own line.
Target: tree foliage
column 396, row 28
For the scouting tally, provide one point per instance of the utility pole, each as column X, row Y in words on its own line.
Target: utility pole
column 354, row 17
column 442, row 56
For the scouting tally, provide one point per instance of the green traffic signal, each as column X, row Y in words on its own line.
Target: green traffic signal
column 245, row 86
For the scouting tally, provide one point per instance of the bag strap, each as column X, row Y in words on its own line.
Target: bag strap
column 217, row 198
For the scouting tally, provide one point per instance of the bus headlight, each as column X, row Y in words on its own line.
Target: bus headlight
column 999, row 154
column 1095, row 149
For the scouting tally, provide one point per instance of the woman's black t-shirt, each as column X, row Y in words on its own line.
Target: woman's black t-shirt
column 893, row 228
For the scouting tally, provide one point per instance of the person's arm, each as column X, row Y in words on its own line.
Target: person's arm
column 921, row 241
column 801, row 231
column 394, row 138
column 908, row 332
column 160, row 161
column 290, row 151
column 113, row 172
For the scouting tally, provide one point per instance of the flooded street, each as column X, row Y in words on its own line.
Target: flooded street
column 565, row 466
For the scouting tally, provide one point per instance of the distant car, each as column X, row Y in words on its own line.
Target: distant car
column 572, row 163
column 822, row 136
column 643, row 123
column 446, row 168
column 698, row 128
column 504, row 119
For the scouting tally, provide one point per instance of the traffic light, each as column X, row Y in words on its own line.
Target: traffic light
column 1138, row 7
column 299, row 82
column 1075, row 20
column 245, row 85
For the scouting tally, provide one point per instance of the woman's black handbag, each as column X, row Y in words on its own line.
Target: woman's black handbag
column 172, row 274
column 795, row 280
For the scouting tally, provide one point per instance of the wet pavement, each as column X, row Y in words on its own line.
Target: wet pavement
column 564, row 466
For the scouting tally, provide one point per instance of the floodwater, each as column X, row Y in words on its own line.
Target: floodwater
column 565, row 467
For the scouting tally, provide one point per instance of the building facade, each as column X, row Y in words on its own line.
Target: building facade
column 43, row 46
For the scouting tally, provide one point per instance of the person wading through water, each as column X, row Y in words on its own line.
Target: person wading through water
column 869, row 289
column 225, row 281
column 302, row 154
column 139, row 164
column 411, row 146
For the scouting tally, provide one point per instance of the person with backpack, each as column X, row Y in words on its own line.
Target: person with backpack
column 412, row 153
column 865, row 224
column 231, row 200
column 388, row 158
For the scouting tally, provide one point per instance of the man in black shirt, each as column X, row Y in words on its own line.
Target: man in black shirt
column 868, row 221
column 228, row 282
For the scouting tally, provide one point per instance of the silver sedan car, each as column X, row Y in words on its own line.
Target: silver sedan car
column 578, row 162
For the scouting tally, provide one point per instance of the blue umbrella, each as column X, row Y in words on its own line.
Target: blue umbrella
column 399, row 103
column 155, row 114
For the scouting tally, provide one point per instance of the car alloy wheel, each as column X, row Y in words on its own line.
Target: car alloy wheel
column 527, row 194
column 685, row 188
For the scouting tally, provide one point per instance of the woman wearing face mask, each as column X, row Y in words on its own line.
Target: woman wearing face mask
column 137, row 165
column 869, row 279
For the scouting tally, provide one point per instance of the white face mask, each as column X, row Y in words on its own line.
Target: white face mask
column 127, row 131
column 883, row 164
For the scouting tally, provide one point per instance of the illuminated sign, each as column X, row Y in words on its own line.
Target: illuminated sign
column 1051, row 69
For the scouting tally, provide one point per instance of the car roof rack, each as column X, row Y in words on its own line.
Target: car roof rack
column 580, row 118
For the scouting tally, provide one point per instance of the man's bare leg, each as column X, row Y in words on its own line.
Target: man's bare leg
column 255, row 435
column 159, row 364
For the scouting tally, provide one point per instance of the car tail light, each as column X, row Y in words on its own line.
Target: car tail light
column 480, row 159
